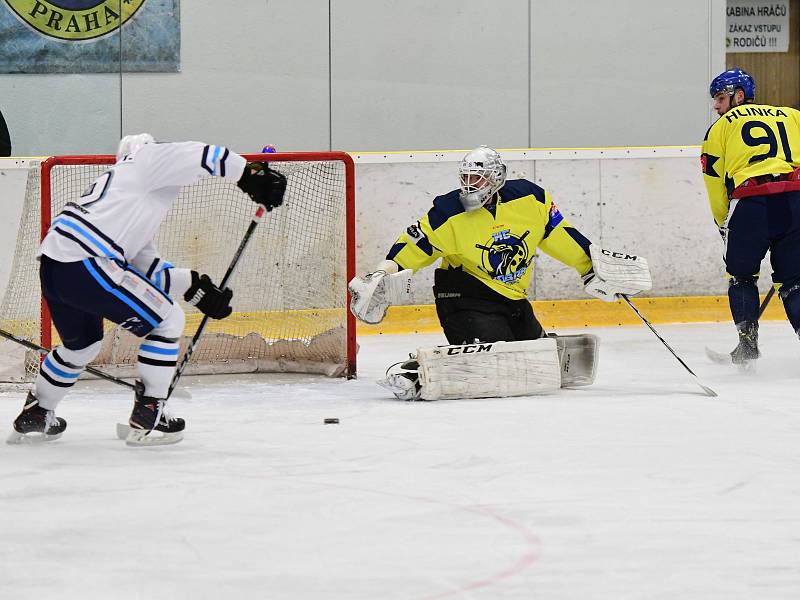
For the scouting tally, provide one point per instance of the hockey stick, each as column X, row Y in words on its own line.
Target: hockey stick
column 196, row 338
column 765, row 303
column 706, row 389
column 44, row 352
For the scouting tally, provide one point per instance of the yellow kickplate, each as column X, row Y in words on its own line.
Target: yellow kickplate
column 560, row 314
column 555, row 314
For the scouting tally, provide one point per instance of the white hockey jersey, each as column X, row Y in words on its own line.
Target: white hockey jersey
column 119, row 213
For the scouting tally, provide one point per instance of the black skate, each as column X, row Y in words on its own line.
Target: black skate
column 746, row 353
column 150, row 424
column 36, row 424
column 404, row 385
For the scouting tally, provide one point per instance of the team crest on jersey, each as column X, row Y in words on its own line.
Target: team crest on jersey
column 75, row 20
column 506, row 257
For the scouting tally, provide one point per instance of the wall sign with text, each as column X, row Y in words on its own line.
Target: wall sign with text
column 757, row 26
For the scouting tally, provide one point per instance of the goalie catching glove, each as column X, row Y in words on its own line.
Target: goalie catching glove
column 373, row 293
column 264, row 185
column 208, row 298
column 616, row 273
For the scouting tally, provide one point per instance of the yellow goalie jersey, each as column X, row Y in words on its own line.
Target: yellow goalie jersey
column 495, row 245
column 748, row 141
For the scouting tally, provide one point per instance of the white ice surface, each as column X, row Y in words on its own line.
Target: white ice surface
column 637, row 487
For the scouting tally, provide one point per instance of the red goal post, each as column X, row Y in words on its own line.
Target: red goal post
column 290, row 289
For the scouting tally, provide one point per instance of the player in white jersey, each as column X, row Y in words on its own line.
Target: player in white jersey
column 98, row 261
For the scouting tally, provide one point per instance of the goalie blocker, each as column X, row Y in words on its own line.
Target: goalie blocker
column 615, row 273
column 497, row 369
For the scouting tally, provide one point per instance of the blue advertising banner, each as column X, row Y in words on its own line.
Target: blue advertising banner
column 89, row 36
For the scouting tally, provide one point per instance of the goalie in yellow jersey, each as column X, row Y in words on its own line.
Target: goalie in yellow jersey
column 486, row 234
column 750, row 159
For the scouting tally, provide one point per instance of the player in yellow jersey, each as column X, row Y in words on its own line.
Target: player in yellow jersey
column 486, row 234
column 749, row 158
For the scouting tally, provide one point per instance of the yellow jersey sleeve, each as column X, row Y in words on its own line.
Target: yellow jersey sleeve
column 712, row 163
column 565, row 243
column 429, row 239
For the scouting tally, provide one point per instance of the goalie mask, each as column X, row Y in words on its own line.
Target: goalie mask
column 482, row 173
column 131, row 143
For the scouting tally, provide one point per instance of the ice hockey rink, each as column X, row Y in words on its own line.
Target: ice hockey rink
column 639, row 486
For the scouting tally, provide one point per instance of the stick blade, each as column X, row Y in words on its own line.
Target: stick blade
column 720, row 358
column 708, row 390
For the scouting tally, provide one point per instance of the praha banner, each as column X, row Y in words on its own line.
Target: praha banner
column 89, row 36
column 757, row 26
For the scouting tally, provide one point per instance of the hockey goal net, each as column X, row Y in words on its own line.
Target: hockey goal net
column 290, row 286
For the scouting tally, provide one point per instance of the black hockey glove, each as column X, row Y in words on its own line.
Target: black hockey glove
column 208, row 298
column 263, row 185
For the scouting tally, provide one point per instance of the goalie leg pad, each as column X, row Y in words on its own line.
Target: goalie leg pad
column 578, row 357
column 497, row 369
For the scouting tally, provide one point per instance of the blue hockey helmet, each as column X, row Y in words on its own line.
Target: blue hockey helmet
column 732, row 79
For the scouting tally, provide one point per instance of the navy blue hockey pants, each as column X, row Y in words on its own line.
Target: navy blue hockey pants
column 81, row 294
column 755, row 225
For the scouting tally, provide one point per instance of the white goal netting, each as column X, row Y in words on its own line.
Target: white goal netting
column 290, row 287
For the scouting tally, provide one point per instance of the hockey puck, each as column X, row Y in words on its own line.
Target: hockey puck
column 331, row 421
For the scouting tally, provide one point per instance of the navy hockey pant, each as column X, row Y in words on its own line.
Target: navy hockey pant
column 467, row 320
column 80, row 295
column 755, row 225
column 469, row 311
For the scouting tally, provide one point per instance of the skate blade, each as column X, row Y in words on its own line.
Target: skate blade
column 123, row 430
column 748, row 366
column 141, row 437
column 31, row 438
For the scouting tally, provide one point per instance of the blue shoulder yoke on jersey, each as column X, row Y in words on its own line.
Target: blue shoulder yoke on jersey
column 445, row 207
column 519, row 188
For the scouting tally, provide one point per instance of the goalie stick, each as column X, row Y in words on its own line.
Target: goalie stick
column 724, row 358
column 706, row 389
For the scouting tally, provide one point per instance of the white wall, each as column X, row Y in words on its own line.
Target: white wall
column 421, row 74
column 623, row 73
column 397, row 75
